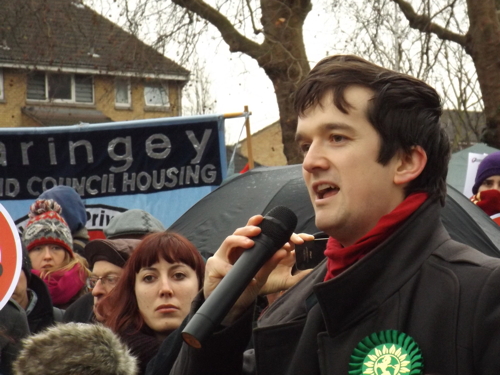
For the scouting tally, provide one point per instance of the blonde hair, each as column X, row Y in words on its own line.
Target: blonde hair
column 68, row 264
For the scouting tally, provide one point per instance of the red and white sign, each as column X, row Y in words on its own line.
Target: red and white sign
column 11, row 256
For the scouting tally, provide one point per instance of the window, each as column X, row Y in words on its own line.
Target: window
column 60, row 87
column 2, row 96
column 122, row 93
column 156, row 95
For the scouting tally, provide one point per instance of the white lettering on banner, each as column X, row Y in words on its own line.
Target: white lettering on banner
column 97, row 217
column 127, row 156
column 9, row 188
column 199, row 147
column 189, row 175
column 157, row 146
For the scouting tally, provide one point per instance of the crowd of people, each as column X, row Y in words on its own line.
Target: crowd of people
column 394, row 294
column 119, row 297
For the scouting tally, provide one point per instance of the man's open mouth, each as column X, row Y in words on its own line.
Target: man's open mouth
column 323, row 190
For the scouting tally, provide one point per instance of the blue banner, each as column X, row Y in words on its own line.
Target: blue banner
column 163, row 166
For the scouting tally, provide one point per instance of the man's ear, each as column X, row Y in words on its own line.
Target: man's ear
column 410, row 166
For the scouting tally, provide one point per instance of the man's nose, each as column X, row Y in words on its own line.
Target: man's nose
column 98, row 289
column 314, row 158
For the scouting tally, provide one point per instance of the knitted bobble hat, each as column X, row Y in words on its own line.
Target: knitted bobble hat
column 490, row 166
column 47, row 226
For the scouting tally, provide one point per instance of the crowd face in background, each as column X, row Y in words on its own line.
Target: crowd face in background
column 46, row 257
column 20, row 295
column 491, row 183
column 104, row 277
column 164, row 293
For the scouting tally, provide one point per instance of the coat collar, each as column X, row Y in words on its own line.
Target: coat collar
column 363, row 287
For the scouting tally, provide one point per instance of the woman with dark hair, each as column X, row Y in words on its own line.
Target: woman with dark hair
column 154, row 294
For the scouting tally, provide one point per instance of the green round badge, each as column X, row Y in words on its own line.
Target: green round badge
column 386, row 353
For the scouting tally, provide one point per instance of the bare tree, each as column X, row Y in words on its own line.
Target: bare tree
column 383, row 35
column 271, row 32
column 197, row 99
column 480, row 40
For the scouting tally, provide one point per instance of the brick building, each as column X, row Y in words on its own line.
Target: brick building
column 61, row 63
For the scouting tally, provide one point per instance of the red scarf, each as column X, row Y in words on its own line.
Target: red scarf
column 340, row 258
column 488, row 200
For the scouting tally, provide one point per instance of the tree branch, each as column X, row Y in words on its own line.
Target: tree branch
column 256, row 30
column 236, row 41
column 423, row 23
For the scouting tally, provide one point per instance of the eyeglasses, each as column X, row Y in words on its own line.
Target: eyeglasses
column 110, row 280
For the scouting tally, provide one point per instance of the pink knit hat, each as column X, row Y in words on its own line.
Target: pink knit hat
column 47, row 226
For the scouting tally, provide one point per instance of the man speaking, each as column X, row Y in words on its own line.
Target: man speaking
column 395, row 294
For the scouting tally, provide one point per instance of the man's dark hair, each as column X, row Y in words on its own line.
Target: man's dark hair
column 404, row 111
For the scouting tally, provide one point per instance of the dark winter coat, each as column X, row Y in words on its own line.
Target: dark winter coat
column 13, row 328
column 81, row 311
column 420, row 282
column 143, row 345
column 42, row 314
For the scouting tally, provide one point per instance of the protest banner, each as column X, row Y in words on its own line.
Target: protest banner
column 162, row 166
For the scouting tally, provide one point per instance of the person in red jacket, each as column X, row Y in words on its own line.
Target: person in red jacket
column 486, row 188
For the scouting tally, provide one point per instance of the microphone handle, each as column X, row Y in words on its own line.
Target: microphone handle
column 219, row 303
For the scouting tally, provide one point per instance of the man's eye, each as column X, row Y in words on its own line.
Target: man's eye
column 304, row 148
column 337, row 138
column 112, row 279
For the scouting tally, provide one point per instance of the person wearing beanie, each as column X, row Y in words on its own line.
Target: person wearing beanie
column 133, row 223
column 107, row 259
column 75, row 348
column 48, row 240
column 33, row 296
column 73, row 211
column 486, row 187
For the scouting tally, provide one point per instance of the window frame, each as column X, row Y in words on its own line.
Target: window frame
column 2, row 91
column 73, row 91
column 162, row 85
column 129, row 93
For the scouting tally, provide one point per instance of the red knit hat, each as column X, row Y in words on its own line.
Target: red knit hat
column 46, row 226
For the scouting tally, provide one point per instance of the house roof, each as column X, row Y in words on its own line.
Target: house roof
column 66, row 35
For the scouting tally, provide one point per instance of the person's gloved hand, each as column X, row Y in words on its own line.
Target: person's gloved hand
column 488, row 201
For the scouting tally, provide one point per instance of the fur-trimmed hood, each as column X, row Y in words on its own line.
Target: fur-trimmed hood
column 75, row 348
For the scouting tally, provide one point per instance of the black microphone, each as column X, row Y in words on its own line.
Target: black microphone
column 277, row 227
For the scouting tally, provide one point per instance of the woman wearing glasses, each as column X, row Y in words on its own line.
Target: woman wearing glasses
column 154, row 293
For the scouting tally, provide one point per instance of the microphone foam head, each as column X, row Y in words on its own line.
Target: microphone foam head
column 279, row 224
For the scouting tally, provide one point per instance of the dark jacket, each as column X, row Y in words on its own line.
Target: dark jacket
column 13, row 328
column 143, row 345
column 81, row 311
column 41, row 315
column 419, row 282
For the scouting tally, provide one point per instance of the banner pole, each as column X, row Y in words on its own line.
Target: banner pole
column 233, row 115
column 249, row 140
